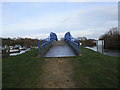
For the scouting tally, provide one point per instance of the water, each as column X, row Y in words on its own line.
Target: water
column 107, row 52
column 112, row 53
column 60, row 51
column 92, row 48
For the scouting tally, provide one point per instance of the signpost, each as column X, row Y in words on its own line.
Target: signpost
column 100, row 46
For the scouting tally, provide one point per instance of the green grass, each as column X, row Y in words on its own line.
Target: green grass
column 95, row 70
column 92, row 70
column 21, row 71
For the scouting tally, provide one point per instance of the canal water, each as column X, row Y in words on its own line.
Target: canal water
column 60, row 51
column 108, row 52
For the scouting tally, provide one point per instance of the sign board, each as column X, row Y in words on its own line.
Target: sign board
column 100, row 46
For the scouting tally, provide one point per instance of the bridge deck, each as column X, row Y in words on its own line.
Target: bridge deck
column 60, row 49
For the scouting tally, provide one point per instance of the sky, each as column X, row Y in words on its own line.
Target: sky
column 38, row 19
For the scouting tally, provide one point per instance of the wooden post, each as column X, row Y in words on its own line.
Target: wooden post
column 79, row 46
column 102, row 46
column 97, row 45
column 39, row 51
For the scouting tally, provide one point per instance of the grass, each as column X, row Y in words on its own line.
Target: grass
column 92, row 70
column 95, row 70
column 21, row 71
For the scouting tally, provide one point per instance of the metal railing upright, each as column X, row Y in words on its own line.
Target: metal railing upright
column 74, row 43
column 46, row 42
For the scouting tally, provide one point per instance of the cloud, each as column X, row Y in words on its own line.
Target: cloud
column 60, row 35
column 90, row 21
column 93, row 0
column 59, row 0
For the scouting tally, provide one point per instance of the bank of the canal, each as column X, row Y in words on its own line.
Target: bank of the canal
column 91, row 70
column 96, row 70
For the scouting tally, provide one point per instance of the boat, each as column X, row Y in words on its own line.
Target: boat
column 14, row 49
column 22, row 48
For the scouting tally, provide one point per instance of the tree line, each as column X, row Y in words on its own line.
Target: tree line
column 87, row 42
column 111, row 39
column 25, row 42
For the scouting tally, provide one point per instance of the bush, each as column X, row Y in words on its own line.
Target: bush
column 89, row 43
column 111, row 39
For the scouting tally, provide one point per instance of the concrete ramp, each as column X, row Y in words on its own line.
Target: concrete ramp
column 60, row 49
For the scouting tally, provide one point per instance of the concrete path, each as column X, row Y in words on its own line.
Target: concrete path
column 60, row 49
column 57, row 72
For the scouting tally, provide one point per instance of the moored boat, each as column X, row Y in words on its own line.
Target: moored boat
column 22, row 48
column 14, row 50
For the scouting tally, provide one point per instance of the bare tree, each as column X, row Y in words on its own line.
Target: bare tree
column 111, row 38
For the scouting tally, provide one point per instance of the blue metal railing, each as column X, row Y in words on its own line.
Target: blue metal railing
column 46, row 42
column 75, row 43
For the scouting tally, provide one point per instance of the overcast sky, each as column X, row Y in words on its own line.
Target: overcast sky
column 38, row 19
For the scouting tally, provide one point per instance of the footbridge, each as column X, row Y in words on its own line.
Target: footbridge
column 51, row 47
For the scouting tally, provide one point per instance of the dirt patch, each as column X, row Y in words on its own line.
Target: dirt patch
column 57, row 73
column 59, row 43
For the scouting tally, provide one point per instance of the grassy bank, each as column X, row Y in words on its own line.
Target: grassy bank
column 92, row 70
column 95, row 70
column 21, row 71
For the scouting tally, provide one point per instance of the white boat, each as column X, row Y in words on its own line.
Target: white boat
column 14, row 50
column 22, row 48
